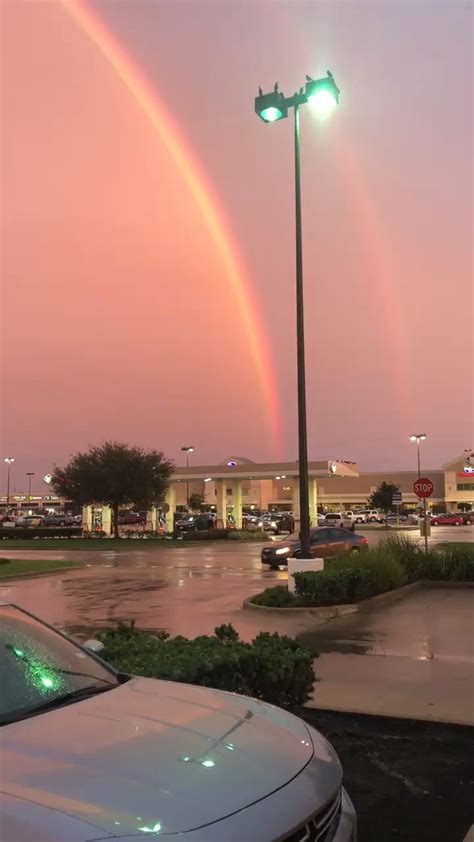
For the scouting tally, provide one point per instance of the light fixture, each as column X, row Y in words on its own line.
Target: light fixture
column 271, row 107
column 322, row 94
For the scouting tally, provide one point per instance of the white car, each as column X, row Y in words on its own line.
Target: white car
column 337, row 519
column 354, row 517
column 90, row 754
column 371, row 515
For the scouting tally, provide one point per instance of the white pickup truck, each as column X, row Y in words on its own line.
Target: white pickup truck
column 338, row 519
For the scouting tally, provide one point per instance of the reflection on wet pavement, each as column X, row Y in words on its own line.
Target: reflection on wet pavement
column 185, row 590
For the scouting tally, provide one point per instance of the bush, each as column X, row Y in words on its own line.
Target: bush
column 247, row 535
column 334, row 587
column 279, row 597
column 386, row 571
column 204, row 535
column 40, row 532
column 273, row 668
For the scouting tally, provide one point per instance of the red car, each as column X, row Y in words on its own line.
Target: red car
column 448, row 519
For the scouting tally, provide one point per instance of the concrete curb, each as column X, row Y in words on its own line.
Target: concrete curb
column 330, row 612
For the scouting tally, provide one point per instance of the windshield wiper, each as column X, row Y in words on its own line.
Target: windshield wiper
column 60, row 701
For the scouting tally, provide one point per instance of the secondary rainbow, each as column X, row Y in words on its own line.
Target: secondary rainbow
column 152, row 107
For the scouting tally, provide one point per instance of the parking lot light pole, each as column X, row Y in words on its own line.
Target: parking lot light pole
column 421, row 437
column 9, row 460
column 323, row 94
column 187, row 450
column 418, row 437
column 29, row 474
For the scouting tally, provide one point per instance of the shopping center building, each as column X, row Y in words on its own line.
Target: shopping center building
column 239, row 484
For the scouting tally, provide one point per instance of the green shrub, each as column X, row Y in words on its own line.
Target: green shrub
column 204, row 535
column 386, row 571
column 247, row 535
column 40, row 532
column 334, row 587
column 279, row 597
column 273, row 668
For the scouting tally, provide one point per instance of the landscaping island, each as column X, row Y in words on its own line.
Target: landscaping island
column 351, row 578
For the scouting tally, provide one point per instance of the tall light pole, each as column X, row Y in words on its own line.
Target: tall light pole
column 323, row 94
column 29, row 474
column 187, row 450
column 9, row 460
column 421, row 437
column 418, row 437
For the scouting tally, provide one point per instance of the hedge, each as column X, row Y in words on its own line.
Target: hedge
column 41, row 532
column 273, row 668
column 334, row 587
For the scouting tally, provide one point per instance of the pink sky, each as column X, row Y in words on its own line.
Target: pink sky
column 119, row 321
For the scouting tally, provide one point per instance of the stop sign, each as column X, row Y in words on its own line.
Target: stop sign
column 423, row 487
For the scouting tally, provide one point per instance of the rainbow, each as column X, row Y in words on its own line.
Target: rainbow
column 385, row 298
column 155, row 111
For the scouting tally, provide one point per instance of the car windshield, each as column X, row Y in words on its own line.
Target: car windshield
column 40, row 669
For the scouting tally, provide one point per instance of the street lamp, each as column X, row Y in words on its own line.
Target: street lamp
column 418, row 437
column 29, row 474
column 187, row 450
column 8, row 460
column 323, row 95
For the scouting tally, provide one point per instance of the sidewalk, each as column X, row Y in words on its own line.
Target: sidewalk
column 413, row 659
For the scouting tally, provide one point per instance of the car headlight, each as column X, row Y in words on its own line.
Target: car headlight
column 282, row 551
column 273, row 523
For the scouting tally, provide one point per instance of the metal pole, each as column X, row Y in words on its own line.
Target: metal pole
column 302, row 432
column 187, row 481
column 29, row 488
column 425, row 531
column 8, row 486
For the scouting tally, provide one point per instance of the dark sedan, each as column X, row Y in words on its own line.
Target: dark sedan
column 325, row 542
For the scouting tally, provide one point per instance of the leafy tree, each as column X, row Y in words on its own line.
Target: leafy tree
column 464, row 507
column 116, row 475
column 196, row 502
column 382, row 497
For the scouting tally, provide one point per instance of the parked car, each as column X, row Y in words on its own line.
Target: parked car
column 371, row 515
column 29, row 520
column 131, row 518
column 59, row 520
column 448, row 519
column 467, row 518
column 196, row 523
column 337, row 519
column 89, row 753
column 354, row 517
column 325, row 542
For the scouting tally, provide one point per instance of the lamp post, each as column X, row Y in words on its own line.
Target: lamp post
column 29, row 474
column 187, row 450
column 421, row 437
column 9, row 460
column 418, row 437
column 323, row 94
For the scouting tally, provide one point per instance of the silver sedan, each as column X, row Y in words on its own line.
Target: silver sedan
column 89, row 754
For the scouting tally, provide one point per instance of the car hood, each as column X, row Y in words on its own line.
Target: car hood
column 153, row 752
column 276, row 545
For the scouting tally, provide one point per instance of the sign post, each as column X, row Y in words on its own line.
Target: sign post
column 423, row 488
column 396, row 500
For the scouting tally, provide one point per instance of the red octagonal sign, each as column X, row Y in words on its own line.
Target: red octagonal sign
column 423, row 487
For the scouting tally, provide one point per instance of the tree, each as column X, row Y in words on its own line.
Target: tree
column 382, row 497
column 196, row 502
column 464, row 507
column 116, row 475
